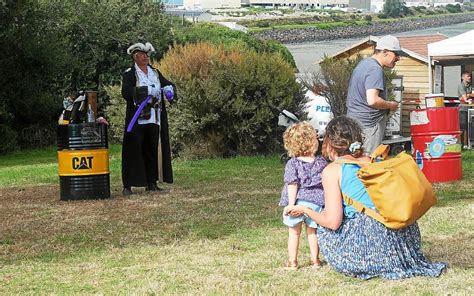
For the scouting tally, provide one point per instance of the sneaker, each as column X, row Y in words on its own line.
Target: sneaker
column 316, row 264
column 127, row 191
column 291, row 265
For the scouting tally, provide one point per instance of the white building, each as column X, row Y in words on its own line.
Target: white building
column 372, row 5
column 377, row 5
column 442, row 2
column 210, row 4
column 281, row 3
column 360, row 4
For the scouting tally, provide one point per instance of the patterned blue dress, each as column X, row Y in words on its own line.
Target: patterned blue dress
column 364, row 248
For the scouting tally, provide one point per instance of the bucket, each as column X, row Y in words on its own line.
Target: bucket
column 83, row 159
column 434, row 100
column 436, row 142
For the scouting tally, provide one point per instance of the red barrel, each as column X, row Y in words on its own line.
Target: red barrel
column 436, row 142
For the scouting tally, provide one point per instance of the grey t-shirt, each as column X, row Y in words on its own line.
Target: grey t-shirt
column 368, row 74
column 464, row 89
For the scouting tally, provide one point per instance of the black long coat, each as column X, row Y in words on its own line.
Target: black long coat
column 132, row 164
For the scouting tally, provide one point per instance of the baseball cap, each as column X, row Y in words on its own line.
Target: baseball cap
column 391, row 43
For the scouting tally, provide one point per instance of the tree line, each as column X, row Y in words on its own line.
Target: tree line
column 53, row 48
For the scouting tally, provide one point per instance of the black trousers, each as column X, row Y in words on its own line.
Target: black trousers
column 140, row 155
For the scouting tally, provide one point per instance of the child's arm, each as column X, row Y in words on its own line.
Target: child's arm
column 332, row 215
column 292, row 191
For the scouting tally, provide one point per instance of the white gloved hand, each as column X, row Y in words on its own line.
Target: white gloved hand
column 168, row 93
column 154, row 91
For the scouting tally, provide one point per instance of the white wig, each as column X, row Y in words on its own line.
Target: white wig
column 147, row 48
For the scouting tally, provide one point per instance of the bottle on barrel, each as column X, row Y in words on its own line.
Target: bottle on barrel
column 90, row 114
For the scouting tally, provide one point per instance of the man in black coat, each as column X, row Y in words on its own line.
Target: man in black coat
column 146, row 153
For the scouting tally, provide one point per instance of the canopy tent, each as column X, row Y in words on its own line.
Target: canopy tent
column 460, row 45
column 456, row 50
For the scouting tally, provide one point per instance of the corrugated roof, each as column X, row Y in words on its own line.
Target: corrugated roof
column 419, row 44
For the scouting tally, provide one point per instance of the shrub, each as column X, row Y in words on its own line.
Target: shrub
column 218, row 34
column 115, row 113
column 368, row 18
column 263, row 24
column 225, row 99
column 453, row 8
column 9, row 139
column 468, row 6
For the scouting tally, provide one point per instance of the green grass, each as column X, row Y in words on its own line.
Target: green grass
column 40, row 166
column 218, row 232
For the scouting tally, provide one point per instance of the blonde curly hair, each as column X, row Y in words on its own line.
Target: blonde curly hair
column 301, row 139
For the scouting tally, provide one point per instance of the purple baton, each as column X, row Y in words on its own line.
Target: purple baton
column 135, row 116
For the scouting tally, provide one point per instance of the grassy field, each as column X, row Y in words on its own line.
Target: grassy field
column 218, row 232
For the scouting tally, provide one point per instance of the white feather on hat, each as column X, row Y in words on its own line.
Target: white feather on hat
column 147, row 48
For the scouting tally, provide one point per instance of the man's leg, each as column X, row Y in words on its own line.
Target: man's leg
column 374, row 135
column 150, row 153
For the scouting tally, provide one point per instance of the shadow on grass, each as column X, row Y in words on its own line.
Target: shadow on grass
column 456, row 251
column 445, row 201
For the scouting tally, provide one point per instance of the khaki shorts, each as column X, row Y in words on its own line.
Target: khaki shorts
column 373, row 135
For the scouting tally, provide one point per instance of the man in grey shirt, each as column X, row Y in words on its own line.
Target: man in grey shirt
column 465, row 90
column 465, row 94
column 367, row 94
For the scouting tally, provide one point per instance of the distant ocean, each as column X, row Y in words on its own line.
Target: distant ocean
column 307, row 54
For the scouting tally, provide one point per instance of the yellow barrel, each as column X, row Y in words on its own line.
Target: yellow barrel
column 83, row 159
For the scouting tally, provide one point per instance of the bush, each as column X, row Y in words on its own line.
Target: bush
column 9, row 139
column 453, row 8
column 263, row 24
column 225, row 99
column 218, row 34
column 115, row 113
column 468, row 6
column 368, row 18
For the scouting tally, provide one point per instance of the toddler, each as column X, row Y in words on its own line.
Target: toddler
column 303, row 186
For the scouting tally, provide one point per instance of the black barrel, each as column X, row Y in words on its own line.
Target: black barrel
column 83, row 158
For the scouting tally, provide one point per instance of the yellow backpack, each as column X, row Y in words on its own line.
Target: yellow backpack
column 397, row 187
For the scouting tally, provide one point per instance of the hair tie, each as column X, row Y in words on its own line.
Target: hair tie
column 355, row 146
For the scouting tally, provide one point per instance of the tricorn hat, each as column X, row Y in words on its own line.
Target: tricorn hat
column 146, row 48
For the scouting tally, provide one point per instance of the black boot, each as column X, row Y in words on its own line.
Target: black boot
column 127, row 190
column 152, row 187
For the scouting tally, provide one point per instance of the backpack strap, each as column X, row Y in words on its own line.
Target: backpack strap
column 343, row 160
column 361, row 208
column 381, row 151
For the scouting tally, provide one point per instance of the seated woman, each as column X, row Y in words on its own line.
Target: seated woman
column 354, row 243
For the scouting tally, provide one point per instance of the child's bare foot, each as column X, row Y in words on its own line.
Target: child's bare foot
column 291, row 265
